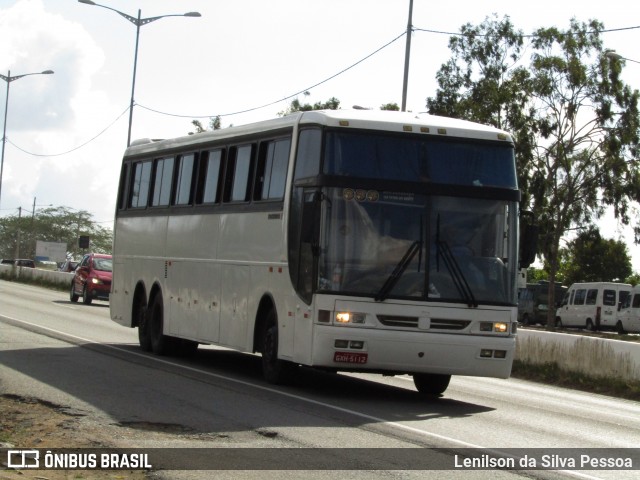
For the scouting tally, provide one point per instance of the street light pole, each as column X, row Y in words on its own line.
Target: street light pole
column 613, row 55
column 10, row 79
column 138, row 22
column 407, row 56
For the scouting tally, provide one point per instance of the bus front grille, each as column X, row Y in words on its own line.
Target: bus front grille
column 414, row 322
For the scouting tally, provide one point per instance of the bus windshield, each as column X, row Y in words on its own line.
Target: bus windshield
column 413, row 246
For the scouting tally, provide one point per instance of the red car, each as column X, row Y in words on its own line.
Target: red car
column 92, row 278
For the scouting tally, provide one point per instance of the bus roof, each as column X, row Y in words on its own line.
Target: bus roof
column 383, row 120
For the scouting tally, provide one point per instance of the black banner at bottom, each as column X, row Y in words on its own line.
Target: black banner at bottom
column 320, row 459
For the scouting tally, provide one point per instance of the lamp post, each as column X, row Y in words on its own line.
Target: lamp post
column 10, row 79
column 407, row 56
column 611, row 54
column 138, row 22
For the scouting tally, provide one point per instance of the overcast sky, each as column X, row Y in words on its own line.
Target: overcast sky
column 67, row 132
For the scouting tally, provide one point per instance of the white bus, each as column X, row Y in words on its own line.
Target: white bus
column 364, row 241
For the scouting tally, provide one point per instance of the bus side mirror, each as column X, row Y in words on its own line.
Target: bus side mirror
column 528, row 245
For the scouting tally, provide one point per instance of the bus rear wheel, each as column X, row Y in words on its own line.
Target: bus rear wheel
column 431, row 383
column 160, row 343
column 141, row 318
column 275, row 370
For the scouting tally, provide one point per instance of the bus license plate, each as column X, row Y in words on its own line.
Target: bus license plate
column 350, row 357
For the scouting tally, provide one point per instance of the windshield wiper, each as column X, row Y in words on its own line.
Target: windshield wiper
column 414, row 248
column 444, row 251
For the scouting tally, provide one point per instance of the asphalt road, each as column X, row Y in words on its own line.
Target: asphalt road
column 74, row 355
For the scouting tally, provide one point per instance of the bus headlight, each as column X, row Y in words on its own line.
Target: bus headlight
column 350, row 318
column 498, row 327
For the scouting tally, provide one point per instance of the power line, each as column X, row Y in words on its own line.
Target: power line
column 458, row 34
column 73, row 149
column 284, row 98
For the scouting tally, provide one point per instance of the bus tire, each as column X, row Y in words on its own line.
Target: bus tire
column 72, row 294
column 431, row 383
column 589, row 326
column 620, row 328
column 141, row 315
column 160, row 343
column 275, row 371
column 558, row 322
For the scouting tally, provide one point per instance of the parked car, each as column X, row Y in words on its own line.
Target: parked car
column 533, row 302
column 7, row 261
column 68, row 266
column 592, row 305
column 629, row 316
column 25, row 262
column 92, row 278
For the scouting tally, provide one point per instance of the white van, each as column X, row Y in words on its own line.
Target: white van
column 629, row 316
column 592, row 305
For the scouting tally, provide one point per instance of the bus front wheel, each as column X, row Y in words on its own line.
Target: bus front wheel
column 275, row 371
column 431, row 383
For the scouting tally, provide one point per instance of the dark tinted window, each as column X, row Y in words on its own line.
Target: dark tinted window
column 414, row 158
column 579, row 298
column 308, row 155
column 162, row 182
column 140, row 185
column 209, row 177
column 184, row 180
column 636, row 300
column 609, row 298
column 592, row 297
column 241, row 174
column 272, row 169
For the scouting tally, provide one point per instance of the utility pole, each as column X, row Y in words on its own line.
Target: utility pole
column 407, row 56
column 17, row 254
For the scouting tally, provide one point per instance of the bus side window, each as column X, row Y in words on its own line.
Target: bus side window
column 209, row 177
column 140, row 180
column 184, row 179
column 162, row 182
column 308, row 156
column 238, row 174
column 122, row 186
column 271, row 172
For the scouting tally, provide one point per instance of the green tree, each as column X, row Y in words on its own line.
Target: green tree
column 575, row 122
column 297, row 106
column 56, row 224
column 215, row 123
column 390, row 106
column 592, row 258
